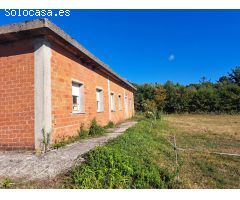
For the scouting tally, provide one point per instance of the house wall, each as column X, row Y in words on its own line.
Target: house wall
column 120, row 115
column 17, row 96
column 65, row 69
column 19, row 64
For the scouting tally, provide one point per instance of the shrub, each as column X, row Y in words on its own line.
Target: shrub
column 159, row 115
column 110, row 168
column 110, row 125
column 130, row 161
column 82, row 133
column 7, row 183
column 149, row 115
column 95, row 129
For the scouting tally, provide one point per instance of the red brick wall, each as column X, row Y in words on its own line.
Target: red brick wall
column 120, row 115
column 17, row 96
column 66, row 68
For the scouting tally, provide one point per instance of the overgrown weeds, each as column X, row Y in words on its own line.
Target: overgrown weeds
column 110, row 125
column 94, row 130
column 130, row 161
column 46, row 140
column 82, row 132
column 65, row 141
column 6, row 183
column 143, row 158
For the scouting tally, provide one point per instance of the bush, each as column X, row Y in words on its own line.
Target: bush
column 110, row 125
column 130, row 161
column 95, row 129
column 7, row 183
column 159, row 115
column 149, row 115
column 83, row 133
column 203, row 97
column 109, row 168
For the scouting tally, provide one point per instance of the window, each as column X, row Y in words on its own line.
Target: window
column 99, row 95
column 130, row 104
column 126, row 105
column 119, row 102
column 77, row 97
column 112, row 102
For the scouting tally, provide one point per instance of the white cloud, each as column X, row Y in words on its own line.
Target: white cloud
column 171, row 57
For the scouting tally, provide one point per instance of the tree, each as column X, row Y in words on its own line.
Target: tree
column 203, row 97
column 224, row 80
column 159, row 96
column 144, row 92
column 171, row 103
column 235, row 75
column 204, row 100
column 229, row 95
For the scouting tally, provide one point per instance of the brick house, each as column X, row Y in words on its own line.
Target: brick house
column 49, row 81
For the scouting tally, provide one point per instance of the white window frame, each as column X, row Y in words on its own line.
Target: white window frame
column 99, row 99
column 78, row 91
column 126, row 106
column 130, row 102
column 112, row 102
column 120, row 107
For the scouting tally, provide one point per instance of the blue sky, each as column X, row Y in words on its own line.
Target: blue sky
column 157, row 45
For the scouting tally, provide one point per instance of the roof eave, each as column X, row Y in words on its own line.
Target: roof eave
column 44, row 23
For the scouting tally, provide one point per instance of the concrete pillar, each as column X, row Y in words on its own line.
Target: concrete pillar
column 109, row 100
column 42, row 89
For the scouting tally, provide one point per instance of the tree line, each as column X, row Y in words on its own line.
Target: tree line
column 222, row 96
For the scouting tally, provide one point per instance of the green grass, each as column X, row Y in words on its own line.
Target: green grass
column 141, row 158
column 144, row 159
column 202, row 169
column 65, row 141
column 131, row 161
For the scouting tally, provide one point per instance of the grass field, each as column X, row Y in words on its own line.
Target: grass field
column 144, row 158
column 208, row 133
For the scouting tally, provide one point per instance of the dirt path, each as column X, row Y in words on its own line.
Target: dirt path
column 31, row 167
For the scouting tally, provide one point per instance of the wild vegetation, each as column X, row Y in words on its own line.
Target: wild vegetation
column 203, row 97
column 128, row 162
column 205, row 137
column 144, row 158
column 207, row 148
column 94, row 130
